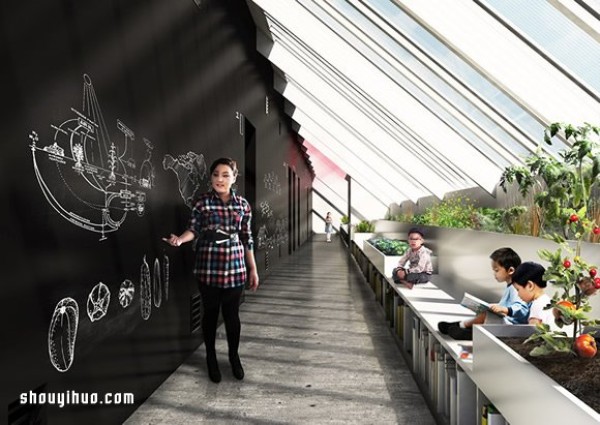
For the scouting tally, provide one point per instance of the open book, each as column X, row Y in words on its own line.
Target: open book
column 475, row 304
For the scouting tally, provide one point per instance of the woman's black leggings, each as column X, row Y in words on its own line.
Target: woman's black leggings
column 228, row 300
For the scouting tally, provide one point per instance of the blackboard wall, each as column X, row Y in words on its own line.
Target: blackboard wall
column 111, row 112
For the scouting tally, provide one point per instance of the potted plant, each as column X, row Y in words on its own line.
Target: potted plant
column 362, row 231
column 390, row 247
column 364, row 226
column 384, row 253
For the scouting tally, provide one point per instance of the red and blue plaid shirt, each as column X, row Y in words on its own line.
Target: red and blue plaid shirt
column 221, row 265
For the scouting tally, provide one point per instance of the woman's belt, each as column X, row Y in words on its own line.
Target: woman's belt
column 218, row 236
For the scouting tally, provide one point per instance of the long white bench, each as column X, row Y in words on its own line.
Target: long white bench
column 443, row 376
column 432, row 305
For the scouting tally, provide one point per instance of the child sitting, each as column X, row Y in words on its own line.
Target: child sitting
column 415, row 265
column 514, row 310
column 529, row 282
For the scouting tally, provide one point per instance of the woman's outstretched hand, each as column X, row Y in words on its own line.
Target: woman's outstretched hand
column 173, row 240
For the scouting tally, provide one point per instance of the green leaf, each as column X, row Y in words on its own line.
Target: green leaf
column 541, row 350
column 585, row 147
column 545, row 254
column 569, row 131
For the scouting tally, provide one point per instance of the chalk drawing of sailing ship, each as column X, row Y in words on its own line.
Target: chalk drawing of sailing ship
column 89, row 178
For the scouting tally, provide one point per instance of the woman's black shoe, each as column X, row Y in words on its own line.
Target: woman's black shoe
column 213, row 369
column 236, row 367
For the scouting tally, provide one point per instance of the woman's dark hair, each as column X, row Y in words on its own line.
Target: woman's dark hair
column 506, row 258
column 225, row 161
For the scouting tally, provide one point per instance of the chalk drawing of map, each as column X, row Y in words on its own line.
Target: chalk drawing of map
column 190, row 170
column 92, row 180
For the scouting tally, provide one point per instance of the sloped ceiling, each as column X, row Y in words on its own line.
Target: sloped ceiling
column 423, row 97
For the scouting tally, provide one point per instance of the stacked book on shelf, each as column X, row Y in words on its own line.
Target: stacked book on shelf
column 491, row 416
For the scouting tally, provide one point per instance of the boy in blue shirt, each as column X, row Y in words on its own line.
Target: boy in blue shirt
column 514, row 310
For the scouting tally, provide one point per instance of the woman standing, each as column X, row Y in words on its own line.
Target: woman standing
column 328, row 226
column 220, row 222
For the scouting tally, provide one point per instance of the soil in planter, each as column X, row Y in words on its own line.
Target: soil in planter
column 579, row 376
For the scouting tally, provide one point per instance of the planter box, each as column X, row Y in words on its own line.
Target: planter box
column 520, row 391
column 384, row 263
column 359, row 238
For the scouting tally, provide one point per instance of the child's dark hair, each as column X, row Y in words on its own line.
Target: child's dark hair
column 416, row 230
column 529, row 272
column 506, row 258
column 225, row 161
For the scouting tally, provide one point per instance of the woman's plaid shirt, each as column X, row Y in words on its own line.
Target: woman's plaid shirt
column 221, row 265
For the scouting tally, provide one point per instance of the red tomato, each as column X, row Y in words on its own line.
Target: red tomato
column 567, row 304
column 585, row 346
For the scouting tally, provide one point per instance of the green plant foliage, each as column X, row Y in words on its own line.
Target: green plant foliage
column 390, row 246
column 344, row 219
column 404, row 218
column 502, row 220
column 420, row 219
column 456, row 212
column 568, row 184
column 364, row 226
column 490, row 220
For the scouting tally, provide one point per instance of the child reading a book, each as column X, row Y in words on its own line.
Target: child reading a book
column 529, row 282
column 512, row 308
column 415, row 265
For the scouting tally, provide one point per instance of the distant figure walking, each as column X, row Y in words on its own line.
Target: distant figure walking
column 328, row 226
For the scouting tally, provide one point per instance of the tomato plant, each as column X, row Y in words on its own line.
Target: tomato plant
column 567, row 184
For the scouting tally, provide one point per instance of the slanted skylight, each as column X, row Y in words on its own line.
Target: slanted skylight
column 415, row 98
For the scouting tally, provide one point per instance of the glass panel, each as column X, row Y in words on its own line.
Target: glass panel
column 558, row 35
column 458, row 135
column 443, row 151
column 373, row 85
column 594, row 4
column 457, row 66
column 506, row 60
column 353, row 124
column 452, row 102
column 358, row 161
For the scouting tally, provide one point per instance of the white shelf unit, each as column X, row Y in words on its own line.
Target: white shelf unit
column 435, row 358
column 445, row 379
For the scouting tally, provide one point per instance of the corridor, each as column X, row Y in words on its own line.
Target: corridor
column 315, row 349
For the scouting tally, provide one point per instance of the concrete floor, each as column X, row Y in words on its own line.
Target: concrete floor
column 315, row 349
